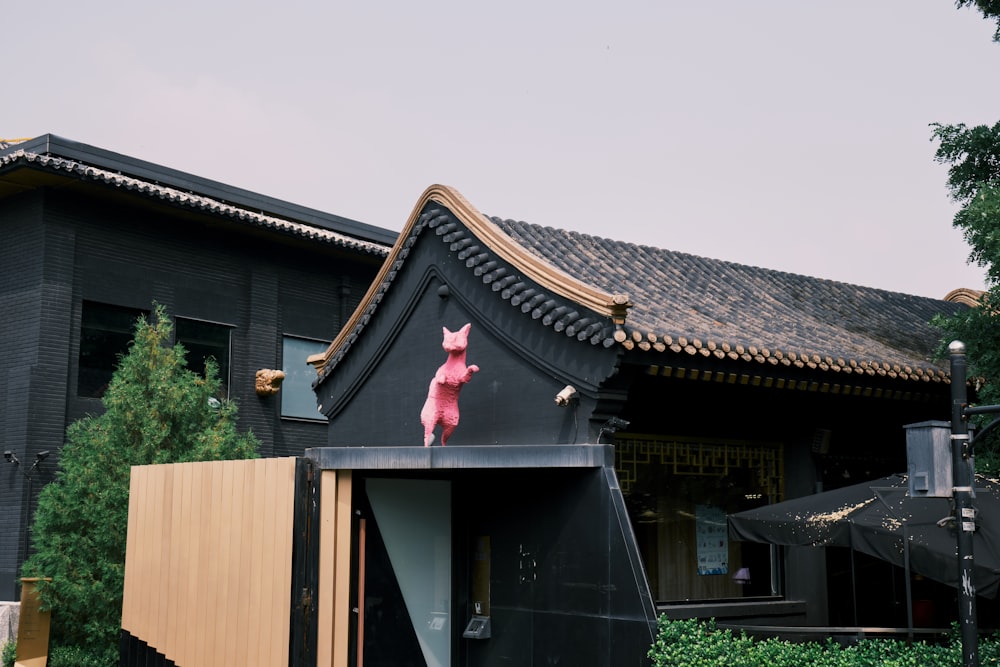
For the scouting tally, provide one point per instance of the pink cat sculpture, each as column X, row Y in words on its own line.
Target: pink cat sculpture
column 441, row 406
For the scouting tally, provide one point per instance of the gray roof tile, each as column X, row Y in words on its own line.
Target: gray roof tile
column 687, row 303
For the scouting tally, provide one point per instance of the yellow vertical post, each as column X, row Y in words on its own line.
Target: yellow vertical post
column 33, row 627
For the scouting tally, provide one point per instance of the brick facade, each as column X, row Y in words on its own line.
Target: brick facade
column 61, row 247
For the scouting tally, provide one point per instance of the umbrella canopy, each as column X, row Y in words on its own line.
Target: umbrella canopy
column 879, row 518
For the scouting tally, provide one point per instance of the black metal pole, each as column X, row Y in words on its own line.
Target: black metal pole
column 965, row 518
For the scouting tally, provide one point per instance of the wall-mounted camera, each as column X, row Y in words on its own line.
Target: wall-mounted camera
column 566, row 396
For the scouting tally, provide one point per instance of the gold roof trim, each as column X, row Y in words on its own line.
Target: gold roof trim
column 965, row 295
column 614, row 306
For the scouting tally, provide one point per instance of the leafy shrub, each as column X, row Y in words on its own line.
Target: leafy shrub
column 692, row 643
column 8, row 654
column 78, row 656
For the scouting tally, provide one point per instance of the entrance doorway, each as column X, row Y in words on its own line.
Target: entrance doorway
column 403, row 575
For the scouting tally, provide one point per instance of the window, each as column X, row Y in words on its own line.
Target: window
column 678, row 492
column 297, row 396
column 202, row 340
column 105, row 334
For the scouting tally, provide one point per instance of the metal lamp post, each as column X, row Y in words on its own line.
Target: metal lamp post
column 965, row 513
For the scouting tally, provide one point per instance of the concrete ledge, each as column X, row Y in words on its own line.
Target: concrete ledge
column 10, row 612
column 468, row 457
column 736, row 609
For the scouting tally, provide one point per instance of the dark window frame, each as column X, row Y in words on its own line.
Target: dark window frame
column 295, row 382
column 106, row 330
column 196, row 348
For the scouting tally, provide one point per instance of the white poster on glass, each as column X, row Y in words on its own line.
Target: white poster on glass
column 711, row 533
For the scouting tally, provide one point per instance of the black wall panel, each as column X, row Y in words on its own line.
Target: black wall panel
column 563, row 586
column 59, row 248
column 21, row 298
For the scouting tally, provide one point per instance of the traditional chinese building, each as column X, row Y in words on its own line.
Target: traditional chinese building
column 627, row 399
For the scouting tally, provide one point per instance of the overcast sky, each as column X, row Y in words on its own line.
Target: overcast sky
column 785, row 134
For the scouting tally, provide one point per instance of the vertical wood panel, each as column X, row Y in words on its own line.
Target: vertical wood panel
column 326, row 586
column 192, row 572
column 342, row 572
column 204, row 611
column 215, row 584
column 153, row 535
column 208, row 561
column 244, row 521
column 133, row 563
column 254, row 554
column 282, row 557
column 229, row 574
column 267, row 585
column 174, row 547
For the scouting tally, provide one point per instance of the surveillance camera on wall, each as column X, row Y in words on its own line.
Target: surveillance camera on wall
column 11, row 458
column 566, row 396
column 616, row 423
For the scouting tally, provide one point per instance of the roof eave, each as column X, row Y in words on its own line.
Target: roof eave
column 613, row 306
column 56, row 146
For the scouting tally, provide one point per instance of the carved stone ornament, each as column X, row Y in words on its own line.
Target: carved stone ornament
column 269, row 381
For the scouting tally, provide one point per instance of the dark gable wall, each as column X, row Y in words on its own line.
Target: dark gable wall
column 379, row 387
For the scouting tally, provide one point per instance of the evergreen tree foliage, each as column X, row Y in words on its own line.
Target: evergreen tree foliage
column 989, row 8
column 156, row 411
column 973, row 158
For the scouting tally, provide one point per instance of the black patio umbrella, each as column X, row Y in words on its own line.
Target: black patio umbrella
column 879, row 518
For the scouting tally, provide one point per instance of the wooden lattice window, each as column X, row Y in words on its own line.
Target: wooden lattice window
column 702, row 458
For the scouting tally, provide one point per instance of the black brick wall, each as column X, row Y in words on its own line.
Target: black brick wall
column 21, row 295
column 60, row 248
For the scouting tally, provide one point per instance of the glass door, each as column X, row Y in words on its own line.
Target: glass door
column 404, row 573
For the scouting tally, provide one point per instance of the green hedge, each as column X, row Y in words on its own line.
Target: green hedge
column 693, row 643
column 64, row 656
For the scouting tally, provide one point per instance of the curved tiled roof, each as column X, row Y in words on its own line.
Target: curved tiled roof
column 659, row 300
column 699, row 306
column 511, row 271
column 192, row 200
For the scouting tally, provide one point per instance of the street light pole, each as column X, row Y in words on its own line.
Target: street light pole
column 965, row 513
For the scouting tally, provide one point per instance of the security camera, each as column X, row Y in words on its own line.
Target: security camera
column 617, row 423
column 566, row 396
column 613, row 424
column 42, row 455
column 11, row 458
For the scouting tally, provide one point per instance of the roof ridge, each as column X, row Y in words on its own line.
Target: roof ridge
column 951, row 296
column 182, row 197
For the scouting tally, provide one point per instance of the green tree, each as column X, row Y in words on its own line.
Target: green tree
column 989, row 8
column 973, row 158
column 156, row 411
